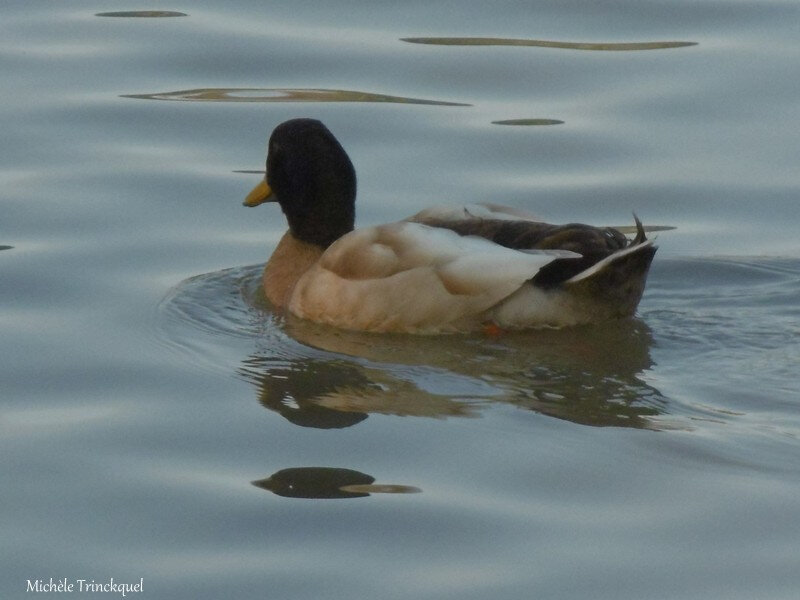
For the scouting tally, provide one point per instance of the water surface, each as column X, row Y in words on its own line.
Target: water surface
column 161, row 421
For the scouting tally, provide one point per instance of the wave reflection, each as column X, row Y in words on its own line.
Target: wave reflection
column 283, row 95
column 493, row 41
column 142, row 13
column 528, row 122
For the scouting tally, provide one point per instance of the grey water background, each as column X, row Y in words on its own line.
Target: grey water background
column 160, row 422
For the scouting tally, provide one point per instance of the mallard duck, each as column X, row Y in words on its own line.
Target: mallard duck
column 441, row 270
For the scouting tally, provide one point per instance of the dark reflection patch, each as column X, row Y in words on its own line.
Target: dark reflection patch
column 327, row 483
column 528, row 122
column 489, row 41
column 142, row 13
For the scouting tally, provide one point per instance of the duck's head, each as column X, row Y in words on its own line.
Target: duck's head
column 310, row 175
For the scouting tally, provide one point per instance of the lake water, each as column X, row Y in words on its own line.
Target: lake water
column 160, row 423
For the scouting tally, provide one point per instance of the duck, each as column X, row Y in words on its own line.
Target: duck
column 443, row 270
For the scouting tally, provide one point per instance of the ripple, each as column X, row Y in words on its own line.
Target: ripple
column 731, row 332
column 284, row 95
column 491, row 41
column 705, row 318
column 528, row 122
column 315, row 376
column 142, row 13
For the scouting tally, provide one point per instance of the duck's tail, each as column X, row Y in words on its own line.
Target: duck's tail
column 617, row 282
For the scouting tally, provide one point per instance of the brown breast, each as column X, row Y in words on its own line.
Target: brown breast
column 290, row 260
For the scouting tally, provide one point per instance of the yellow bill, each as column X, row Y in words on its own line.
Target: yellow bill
column 259, row 195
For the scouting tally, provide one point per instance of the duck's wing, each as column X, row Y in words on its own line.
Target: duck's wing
column 472, row 212
column 590, row 245
column 412, row 277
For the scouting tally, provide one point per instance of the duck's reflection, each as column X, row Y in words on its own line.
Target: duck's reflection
column 296, row 390
column 332, row 394
column 327, row 483
column 590, row 375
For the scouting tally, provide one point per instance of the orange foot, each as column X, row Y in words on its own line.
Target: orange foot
column 492, row 330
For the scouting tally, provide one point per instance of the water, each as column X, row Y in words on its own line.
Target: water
column 160, row 422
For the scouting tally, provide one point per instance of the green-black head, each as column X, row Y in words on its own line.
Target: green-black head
column 310, row 175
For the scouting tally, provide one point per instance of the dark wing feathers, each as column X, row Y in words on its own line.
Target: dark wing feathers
column 592, row 243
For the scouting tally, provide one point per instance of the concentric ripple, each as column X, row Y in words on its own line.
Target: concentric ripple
column 316, row 376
